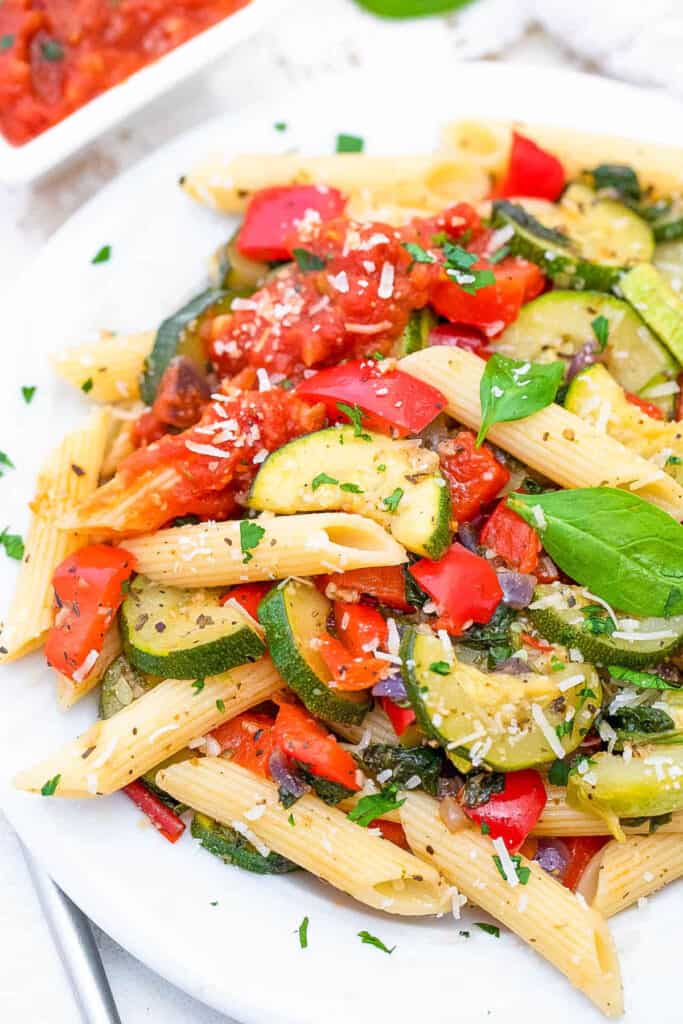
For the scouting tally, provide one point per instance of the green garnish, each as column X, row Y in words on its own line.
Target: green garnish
column 280, row 126
column 556, row 665
column 87, row 385
column 52, row 50
column 419, row 254
column 349, row 143
column 198, row 685
column 372, row 940
column 355, row 415
column 644, row 680
column 381, row 468
column 485, row 828
column 512, row 390
column 220, row 705
column 28, row 393
column 291, row 820
column 392, row 502
column 490, row 929
column 320, row 479
column 459, row 264
column 370, row 807
column 442, row 668
column 5, row 461
column 103, row 255
column 601, row 331
column 351, row 488
column 499, row 254
column 303, row 932
column 522, row 871
column 13, row 544
column 251, row 535
column 307, row 260
column 49, row 787
column 6, row 42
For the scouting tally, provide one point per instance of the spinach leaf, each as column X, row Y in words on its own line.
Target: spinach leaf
column 642, row 719
column 370, row 807
column 404, row 763
column 520, row 216
column 623, row 549
column 511, row 389
column 331, row 793
column 481, row 786
column 643, row 680
column 620, row 178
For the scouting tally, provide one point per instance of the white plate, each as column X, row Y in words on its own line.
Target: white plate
column 20, row 164
column 243, row 956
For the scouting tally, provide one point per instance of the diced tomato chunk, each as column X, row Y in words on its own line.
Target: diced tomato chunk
column 273, row 213
column 360, row 626
column 494, row 306
column 392, row 831
column 249, row 739
column 183, row 392
column 474, row 475
column 349, row 671
column 582, row 849
column 511, row 538
column 386, row 584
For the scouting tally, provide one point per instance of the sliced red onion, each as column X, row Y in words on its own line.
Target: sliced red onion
column 518, row 588
column 587, row 355
column 468, row 536
column 513, row 666
column 553, row 855
column 286, row 777
column 450, row 786
column 392, row 687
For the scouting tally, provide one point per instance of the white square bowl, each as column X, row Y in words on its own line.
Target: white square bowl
column 22, row 164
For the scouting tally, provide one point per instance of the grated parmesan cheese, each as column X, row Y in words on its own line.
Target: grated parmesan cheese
column 547, row 730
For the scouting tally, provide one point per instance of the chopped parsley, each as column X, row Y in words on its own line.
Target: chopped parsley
column 485, row 828
column 13, row 544
column 220, row 704
column 280, row 126
column 556, row 665
column 251, row 535
column 499, row 254
column 6, row 42
column 87, row 385
column 320, row 479
column 372, row 940
column 5, row 461
column 103, row 255
column 598, row 621
column 349, row 143
column 558, row 773
column 442, row 668
column 291, row 820
column 28, row 393
column 674, row 460
column 381, row 468
column 564, row 729
column 601, row 331
column 198, row 685
column 351, row 488
column 458, row 258
column 49, row 788
column 459, row 264
column 490, row 929
column 52, row 50
column 419, row 254
column 355, row 415
column 523, row 873
column 303, row 933
column 370, row 807
column 392, row 502
column 307, row 260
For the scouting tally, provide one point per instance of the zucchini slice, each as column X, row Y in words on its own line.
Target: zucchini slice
column 185, row 634
column 229, row 269
column 583, row 242
column 558, row 324
column 415, row 333
column 179, row 335
column 495, row 718
column 566, row 615
column 644, row 786
column 233, row 848
column 121, row 685
column 396, row 483
column 660, row 306
column 294, row 615
column 668, row 259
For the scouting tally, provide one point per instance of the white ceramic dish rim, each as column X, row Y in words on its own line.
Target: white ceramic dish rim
column 20, row 164
column 266, row 959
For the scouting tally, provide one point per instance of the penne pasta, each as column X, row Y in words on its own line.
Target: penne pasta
column 69, row 475
column 559, row 819
column 69, row 692
column 210, row 554
column 120, row 446
column 115, row 751
column 571, row 935
column 621, row 874
column 375, row 728
column 553, row 441
column 323, row 840
column 112, row 364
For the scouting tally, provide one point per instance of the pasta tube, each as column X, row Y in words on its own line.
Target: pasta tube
column 375, row 728
column 113, row 364
column 115, row 751
column 69, row 692
column 559, row 819
column 322, row 840
column 623, row 873
column 572, row 936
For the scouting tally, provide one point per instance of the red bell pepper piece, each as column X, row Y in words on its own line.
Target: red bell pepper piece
column 392, row 831
column 463, row 586
column 272, row 215
column 89, row 591
column 400, row 718
column 493, row 307
column 582, row 850
column 350, row 671
column 511, row 814
column 248, row 595
column 299, row 736
column 474, row 475
column 385, row 583
column 511, row 538
column 532, row 171
column 359, row 625
column 649, row 408
column 249, row 739
column 161, row 816
column 536, row 643
column 391, row 402
column 460, row 336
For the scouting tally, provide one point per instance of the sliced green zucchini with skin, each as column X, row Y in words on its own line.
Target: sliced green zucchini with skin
column 660, row 306
column 498, row 719
column 567, row 615
column 416, row 333
column 668, row 259
column 294, row 615
column 584, row 242
column 229, row 269
column 644, row 785
column 121, row 685
column 558, row 324
column 668, row 227
column 185, row 634
column 396, row 483
column 233, row 848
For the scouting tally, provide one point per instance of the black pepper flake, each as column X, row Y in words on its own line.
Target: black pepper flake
column 204, row 620
column 160, row 626
column 87, row 753
column 140, row 621
column 78, row 470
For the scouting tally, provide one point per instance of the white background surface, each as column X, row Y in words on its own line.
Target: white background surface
column 301, row 48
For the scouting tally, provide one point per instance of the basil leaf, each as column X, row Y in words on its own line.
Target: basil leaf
column 372, row 940
column 410, row 8
column 643, row 680
column 616, row 544
column 250, row 537
column 621, row 178
column 370, row 807
column 349, row 143
column 512, row 390
column 642, row 719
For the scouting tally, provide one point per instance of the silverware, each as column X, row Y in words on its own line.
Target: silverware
column 73, row 937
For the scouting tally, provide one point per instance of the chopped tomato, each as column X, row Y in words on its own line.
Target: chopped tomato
column 391, row 402
column 349, row 671
column 511, row 814
column 248, row 595
column 89, row 589
column 273, row 214
column 299, row 736
column 678, row 409
column 463, row 586
column 360, row 626
column 460, row 336
column 147, row 429
column 392, row 831
column 458, row 222
column 493, row 307
column 386, row 584
column 474, row 475
column 183, row 392
column 400, row 718
column 162, row 817
column 582, row 849
column 649, row 408
column 546, row 571
column 249, row 739
column 536, row 643
column 511, row 538
column 532, row 171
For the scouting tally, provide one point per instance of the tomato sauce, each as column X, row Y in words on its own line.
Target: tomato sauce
column 57, row 55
